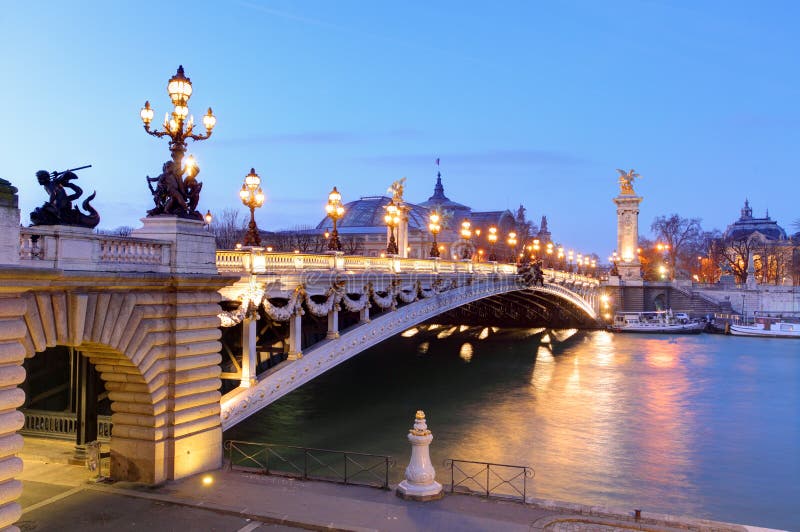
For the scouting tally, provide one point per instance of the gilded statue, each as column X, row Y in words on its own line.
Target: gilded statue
column 397, row 190
column 626, row 180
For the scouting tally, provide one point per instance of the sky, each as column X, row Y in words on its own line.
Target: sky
column 534, row 103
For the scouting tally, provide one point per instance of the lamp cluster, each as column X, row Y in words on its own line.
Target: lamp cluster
column 392, row 219
column 335, row 211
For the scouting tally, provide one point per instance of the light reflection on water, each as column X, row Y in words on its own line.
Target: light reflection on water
column 702, row 425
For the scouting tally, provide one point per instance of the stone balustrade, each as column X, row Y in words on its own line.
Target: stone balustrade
column 257, row 261
column 77, row 248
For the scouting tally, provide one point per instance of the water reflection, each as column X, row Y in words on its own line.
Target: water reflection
column 694, row 425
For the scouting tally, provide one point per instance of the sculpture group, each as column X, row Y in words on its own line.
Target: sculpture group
column 174, row 194
column 58, row 210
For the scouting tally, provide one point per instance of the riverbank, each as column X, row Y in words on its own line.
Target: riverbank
column 60, row 496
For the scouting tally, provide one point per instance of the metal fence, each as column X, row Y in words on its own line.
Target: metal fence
column 345, row 467
column 489, row 479
column 60, row 425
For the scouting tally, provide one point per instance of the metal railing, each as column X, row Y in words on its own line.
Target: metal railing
column 344, row 467
column 489, row 479
column 60, row 425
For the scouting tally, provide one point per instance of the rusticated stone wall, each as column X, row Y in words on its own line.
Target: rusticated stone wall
column 153, row 338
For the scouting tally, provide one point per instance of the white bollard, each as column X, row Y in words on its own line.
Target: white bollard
column 420, row 483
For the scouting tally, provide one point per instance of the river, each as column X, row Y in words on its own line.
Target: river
column 706, row 425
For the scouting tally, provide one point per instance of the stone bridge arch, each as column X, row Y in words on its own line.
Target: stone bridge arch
column 154, row 340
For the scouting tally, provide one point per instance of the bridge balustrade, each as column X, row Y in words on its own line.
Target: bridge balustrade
column 73, row 248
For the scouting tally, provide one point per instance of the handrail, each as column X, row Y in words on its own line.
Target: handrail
column 488, row 480
column 60, row 425
column 361, row 469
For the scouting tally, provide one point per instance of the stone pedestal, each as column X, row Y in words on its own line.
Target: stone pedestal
column 193, row 248
column 9, row 223
column 628, row 236
column 420, row 482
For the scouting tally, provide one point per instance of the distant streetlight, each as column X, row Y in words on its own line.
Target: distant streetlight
column 492, row 237
column 512, row 243
column 466, row 234
column 253, row 197
column 434, row 227
column 335, row 211
column 392, row 219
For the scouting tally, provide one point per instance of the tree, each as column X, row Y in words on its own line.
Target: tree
column 228, row 228
column 678, row 234
column 735, row 256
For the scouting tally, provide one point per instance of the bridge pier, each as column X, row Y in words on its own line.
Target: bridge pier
column 333, row 324
column 249, row 353
column 296, row 336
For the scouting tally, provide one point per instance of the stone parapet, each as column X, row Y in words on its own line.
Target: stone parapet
column 193, row 248
column 9, row 223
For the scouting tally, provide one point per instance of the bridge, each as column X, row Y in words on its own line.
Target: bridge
column 157, row 315
column 405, row 292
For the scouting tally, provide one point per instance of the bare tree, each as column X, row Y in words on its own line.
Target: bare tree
column 353, row 245
column 228, row 228
column 735, row 256
column 678, row 233
column 122, row 230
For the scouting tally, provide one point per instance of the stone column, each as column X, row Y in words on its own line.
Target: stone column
column 249, row 351
column 295, row 336
column 333, row 323
column 628, row 236
column 402, row 233
column 420, row 482
column 12, row 353
column 9, row 223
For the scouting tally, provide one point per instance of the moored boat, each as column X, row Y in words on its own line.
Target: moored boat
column 660, row 322
column 767, row 329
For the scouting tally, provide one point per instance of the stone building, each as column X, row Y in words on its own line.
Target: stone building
column 363, row 220
column 759, row 250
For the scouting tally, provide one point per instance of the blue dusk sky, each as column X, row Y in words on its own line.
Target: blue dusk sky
column 524, row 102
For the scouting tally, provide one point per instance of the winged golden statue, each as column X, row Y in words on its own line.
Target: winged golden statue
column 397, row 190
column 626, row 180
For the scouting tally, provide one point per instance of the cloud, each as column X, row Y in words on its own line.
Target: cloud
column 523, row 157
column 320, row 137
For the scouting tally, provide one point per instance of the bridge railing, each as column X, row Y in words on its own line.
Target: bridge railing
column 259, row 261
column 344, row 467
column 78, row 248
column 489, row 479
column 60, row 425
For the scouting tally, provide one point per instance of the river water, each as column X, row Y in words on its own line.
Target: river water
column 704, row 425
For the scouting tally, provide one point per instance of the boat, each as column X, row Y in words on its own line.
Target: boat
column 767, row 329
column 659, row 322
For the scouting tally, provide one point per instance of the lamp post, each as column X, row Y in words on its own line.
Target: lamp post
column 252, row 196
column 183, row 194
column 570, row 258
column 208, row 219
column 536, row 249
column 466, row 234
column 434, row 227
column 335, row 211
column 561, row 257
column 392, row 219
column 492, row 237
column 512, row 243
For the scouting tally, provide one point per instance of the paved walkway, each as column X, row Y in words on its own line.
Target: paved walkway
column 62, row 497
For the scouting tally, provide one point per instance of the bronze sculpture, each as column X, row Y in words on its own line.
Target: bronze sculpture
column 175, row 195
column 58, row 210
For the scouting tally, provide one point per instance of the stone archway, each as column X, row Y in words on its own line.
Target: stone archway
column 155, row 342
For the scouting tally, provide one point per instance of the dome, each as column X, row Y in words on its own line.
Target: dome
column 746, row 226
column 369, row 212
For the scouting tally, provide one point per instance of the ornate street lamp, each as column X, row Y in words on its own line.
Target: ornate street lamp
column 434, row 227
column 466, row 234
column 335, row 211
column 492, row 238
column 536, row 248
column 252, row 196
column 392, row 219
column 561, row 257
column 174, row 194
column 512, row 243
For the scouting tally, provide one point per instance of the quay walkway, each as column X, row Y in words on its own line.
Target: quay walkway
column 60, row 497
